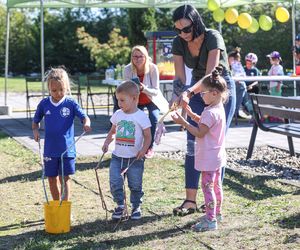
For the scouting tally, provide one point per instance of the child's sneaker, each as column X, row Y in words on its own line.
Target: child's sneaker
column 219, row 218
column 118, row 213
column 205, row 225
column 136, row 213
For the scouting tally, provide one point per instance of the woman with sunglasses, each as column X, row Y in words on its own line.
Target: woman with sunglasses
column 146, row 75
column 202, row 50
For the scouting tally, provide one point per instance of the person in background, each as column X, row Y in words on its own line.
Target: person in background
column 59, row 111
column 131, row 129
column 210, row 154
column 276, row 69
column 202, row 50
column 251, row 70
column 296, row 50
column 150, row 95
column 237, row 69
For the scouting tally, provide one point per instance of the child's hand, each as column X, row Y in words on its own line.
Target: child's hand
column 36, row 135
column 189, row 111
column 140, row 155
column 177, row 118
column 105, row 147
column 87, row 128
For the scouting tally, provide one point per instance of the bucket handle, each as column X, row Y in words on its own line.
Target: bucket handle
column 62, row 166
column 43, row 171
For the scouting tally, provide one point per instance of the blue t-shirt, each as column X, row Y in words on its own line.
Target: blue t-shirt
column 59, row 125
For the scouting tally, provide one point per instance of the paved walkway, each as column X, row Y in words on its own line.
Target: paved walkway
column 19, row 127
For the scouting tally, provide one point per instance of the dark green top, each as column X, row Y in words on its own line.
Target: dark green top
column 212, row 40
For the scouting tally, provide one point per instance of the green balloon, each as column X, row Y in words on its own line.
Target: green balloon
column 212, row 5
column 265, row 22
column 254, row 26
column 219, row 15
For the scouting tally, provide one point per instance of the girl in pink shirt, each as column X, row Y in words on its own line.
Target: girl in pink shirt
column 210, row 154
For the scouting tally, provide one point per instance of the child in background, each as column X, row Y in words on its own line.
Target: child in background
column 275, row 70
column 59, row 112
column 296, row 50
column 251, row 70
column 131, row 128
column 237, row 69
column 210, row 154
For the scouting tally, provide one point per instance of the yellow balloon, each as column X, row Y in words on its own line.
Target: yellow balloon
column 254, row 26
column 213, row 5
column 282, row 14
column 231, row 15
column 219, row 15
column 244, row 20
column 265, row 22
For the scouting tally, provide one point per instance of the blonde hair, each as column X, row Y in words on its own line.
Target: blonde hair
column 60, row 75
column 129, row 88
column 144, row 51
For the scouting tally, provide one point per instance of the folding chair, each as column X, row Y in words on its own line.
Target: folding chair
column 96, row 81
column 30, row 94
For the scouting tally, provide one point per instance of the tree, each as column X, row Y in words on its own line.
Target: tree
column 140, row 21
column 115, row 51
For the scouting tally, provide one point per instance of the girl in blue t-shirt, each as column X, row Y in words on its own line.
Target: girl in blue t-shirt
column 58, row 112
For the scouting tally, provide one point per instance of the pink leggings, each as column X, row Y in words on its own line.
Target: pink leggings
column 213, row 193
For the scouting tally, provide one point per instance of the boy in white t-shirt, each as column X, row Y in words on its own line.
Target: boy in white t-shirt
column 132, row 134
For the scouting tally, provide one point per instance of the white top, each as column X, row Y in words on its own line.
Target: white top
column 129, row 132
column 275, row 70
column 237, row 69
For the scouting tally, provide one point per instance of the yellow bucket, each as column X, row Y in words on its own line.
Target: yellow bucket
column 57, row 217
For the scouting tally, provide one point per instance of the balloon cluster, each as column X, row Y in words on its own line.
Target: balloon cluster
column 245, row 20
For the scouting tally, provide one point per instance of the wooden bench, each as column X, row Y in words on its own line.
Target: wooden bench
column 286, row 108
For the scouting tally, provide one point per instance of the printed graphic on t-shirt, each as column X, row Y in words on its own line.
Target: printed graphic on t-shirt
column 65, row 112
column 125, row 133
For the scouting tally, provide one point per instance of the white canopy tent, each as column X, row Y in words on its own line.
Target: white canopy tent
column 41, row 4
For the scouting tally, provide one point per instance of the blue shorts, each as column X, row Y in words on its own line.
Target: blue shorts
column 53, row 166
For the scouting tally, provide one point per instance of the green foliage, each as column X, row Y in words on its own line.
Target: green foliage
column 140, row 21
column 163, row 19
column 62, row 47
column 115, row 51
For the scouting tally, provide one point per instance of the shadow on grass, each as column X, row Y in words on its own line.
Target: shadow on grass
column 36, row 175
column 22, row 225
column 98, row 233
column 258, row 184
column 290, row 222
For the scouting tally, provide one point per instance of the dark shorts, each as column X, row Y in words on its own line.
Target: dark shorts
column 53, row 166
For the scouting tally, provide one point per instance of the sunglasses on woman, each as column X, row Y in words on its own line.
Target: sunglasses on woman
column 187, row 29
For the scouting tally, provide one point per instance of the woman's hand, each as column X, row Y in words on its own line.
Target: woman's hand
column 185, row 99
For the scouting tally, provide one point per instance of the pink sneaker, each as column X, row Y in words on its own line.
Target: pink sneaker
column 150, row 153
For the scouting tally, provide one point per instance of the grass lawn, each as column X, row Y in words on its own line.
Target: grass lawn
column 260, row 212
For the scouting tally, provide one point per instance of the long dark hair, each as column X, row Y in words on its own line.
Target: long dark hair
column 189, row 12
